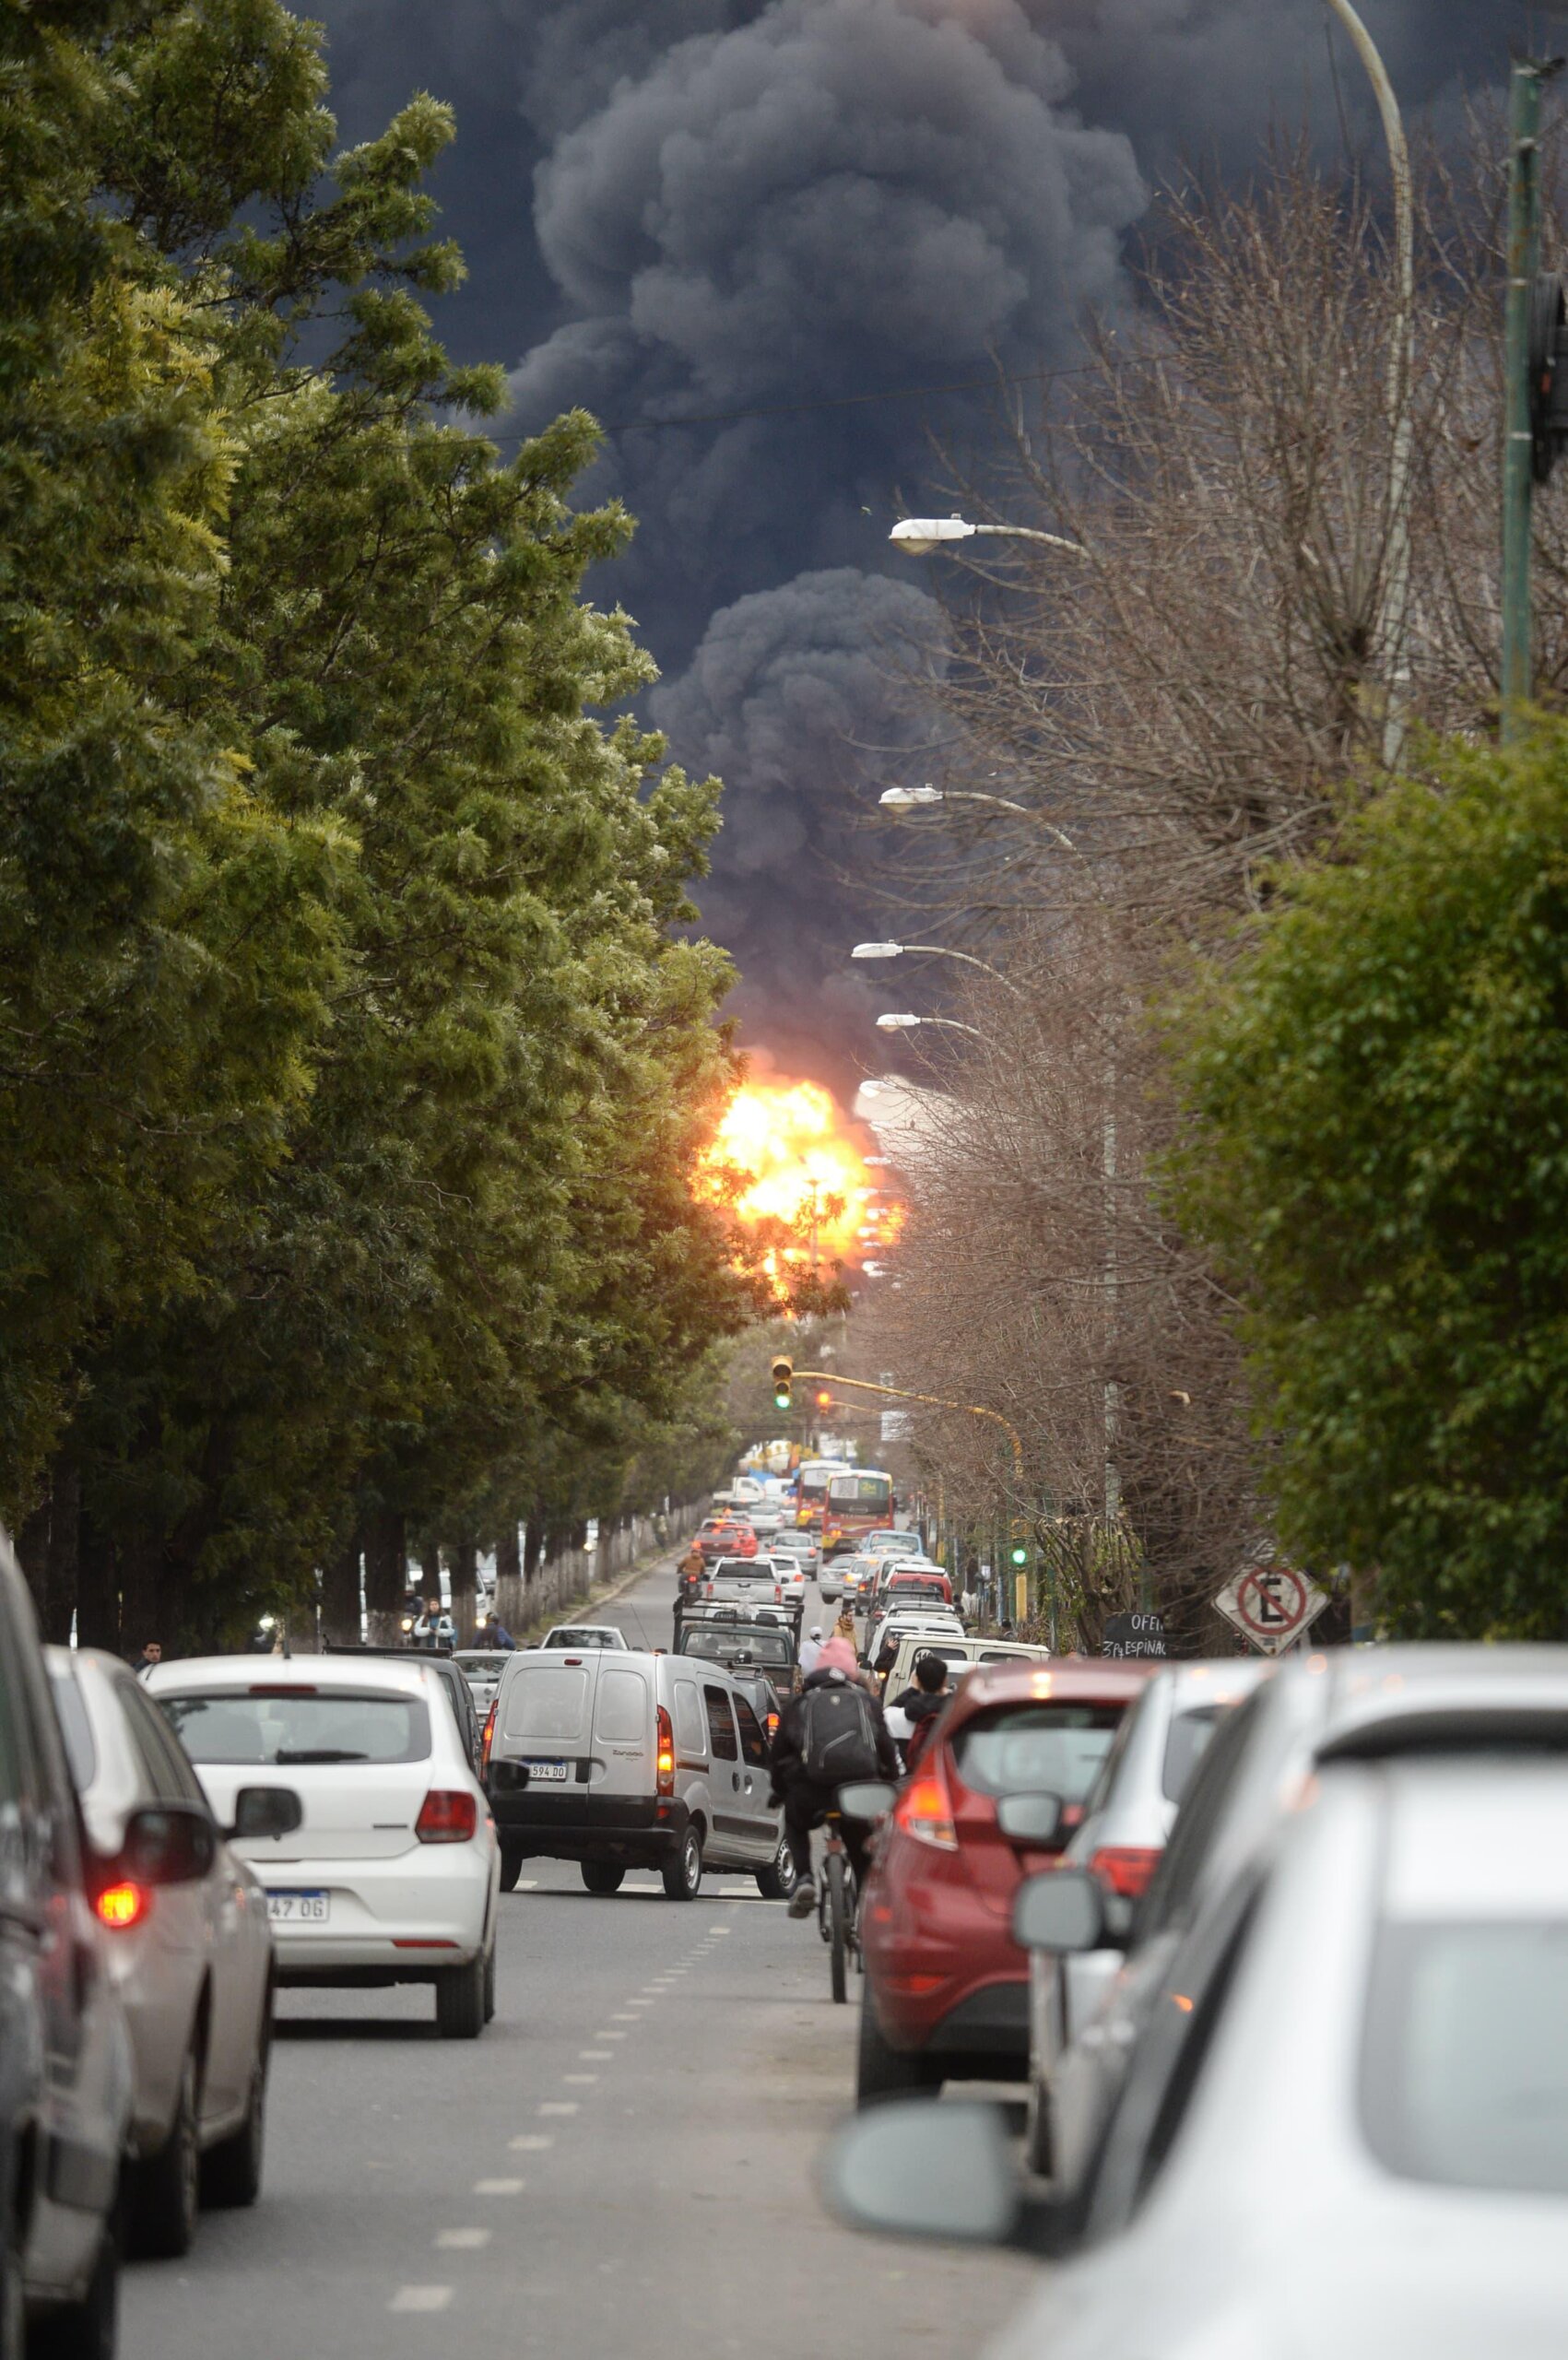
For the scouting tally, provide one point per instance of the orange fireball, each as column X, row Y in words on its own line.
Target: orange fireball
column 785, row 1159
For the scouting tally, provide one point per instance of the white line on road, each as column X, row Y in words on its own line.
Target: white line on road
column 420, row 2298
column 499, row 2187
column 531, row 2142
column 581, row 2079
column 559, row 2106
column 462, row 2240
column 607, row 2036
column 595, row 2056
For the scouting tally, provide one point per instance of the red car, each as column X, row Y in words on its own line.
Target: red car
column 718, row 1537
column 946, row 1987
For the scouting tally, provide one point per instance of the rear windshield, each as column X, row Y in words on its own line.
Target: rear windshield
column 1185, row 1745
column 739, row 1648
column 1035, row 1749
column 75, row 1729
column 742, row 1569
column 289, row 1725
column 582, row 1640
column 1464, row 2057
column 480, row 1666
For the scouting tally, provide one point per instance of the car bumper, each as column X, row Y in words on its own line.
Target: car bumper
column 398, row 1921
column 629, row 1831
column 981, row 2030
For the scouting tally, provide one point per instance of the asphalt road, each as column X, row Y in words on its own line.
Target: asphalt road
column 624, row 2162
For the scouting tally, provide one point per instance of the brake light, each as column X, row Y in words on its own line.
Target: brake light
column 123, row 1905
column 488, row 1739
column 665, row 1763
column 1125, row 1868
column 778, row 1593
column 447, row 1816
column 772, row 1725
column 924, row 1810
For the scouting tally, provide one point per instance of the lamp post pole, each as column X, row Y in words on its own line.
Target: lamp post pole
column 1524, row 242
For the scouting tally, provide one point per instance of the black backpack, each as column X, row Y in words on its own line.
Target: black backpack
column 838, row 1737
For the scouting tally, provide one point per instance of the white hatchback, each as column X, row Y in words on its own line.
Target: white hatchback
column 394, row 1874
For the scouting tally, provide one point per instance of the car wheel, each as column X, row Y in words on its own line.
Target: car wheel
column 511, row 1869
column 231, row 2172
column 881, row 2072
column 88, row 2330
column 603, row 1876
column 776, row 1882
column 168, row 2185
column 460, row 2000
column 683, row 1875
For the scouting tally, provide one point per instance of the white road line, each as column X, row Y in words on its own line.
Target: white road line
column 462, row 2240
column 420, row 2298
column 607, row 2036
column 595, row 2056
column 626, row 2020
column 559, row 2106
column 579, row 2081
column 721, row 1929
column 530, row 2143
column 499, row 2187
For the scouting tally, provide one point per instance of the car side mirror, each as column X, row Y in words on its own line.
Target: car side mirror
column 1031, row 1819
column 1063, row 1910
column 168, row 1844
column 868, row 1799
column 508, row 1777
column 912, row 2170
column 263, row 1814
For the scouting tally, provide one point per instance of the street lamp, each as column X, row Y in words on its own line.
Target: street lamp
column 906, row 1024
column 918, row 535
column 925, row 950
column 924, row 798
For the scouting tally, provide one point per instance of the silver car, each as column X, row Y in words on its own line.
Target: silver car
column 190, row 1952
column 1343, row 2132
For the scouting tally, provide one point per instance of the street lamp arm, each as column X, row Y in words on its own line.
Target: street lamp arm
column 931, row 1401
column 1028, row 533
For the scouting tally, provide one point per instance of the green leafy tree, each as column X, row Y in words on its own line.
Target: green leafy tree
column 1377, row 1153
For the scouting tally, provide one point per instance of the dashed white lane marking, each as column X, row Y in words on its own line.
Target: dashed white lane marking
column 420, row 2298
column 559, row 2106
column 530, row 2143
column 462, row 2240
column 721, row 1929
column 624, row 2019
column 581, row 2080
column 607, row 2036
column 595, row 2056
column 499, row 2187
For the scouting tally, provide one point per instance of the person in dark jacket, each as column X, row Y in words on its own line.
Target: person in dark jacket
column 807, row 1801
column 923, row 1705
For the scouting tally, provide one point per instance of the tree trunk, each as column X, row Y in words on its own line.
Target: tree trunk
column 97, row 1601
column 32, row 1555
column 429, row 1565
column 65, row 1539
column 340, row 1596
column 509, row 1601
column 386, row 1574
column 533, row 1548
column 141, row 1568
column 463, row 1558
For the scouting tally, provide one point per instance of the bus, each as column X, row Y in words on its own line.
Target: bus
column 811, row 1489
column 859, row 1499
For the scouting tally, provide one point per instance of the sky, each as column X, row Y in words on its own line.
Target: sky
column 778, row 219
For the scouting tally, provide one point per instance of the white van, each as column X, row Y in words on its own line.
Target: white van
column 632, row 1761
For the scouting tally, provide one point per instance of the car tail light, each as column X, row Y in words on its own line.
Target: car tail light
column 924, row 1810
column 447, row 1816
column 666, row 1760
column 1125, row 1868
column 488, row 1739
column 778, row 1593
column 772, row 1725
column 123, row 1905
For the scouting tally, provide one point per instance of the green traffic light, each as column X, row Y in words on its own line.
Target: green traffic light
column 1020, row 1556
column 781, row 1401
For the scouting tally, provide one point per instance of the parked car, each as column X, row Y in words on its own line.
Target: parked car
column 66, row 2088
column 947, row 1987
column 1365, row 2010
column 191, row 1958
column 1127, row 1822
column 632, row 1761
column 392, row 1874
column 578, row 1636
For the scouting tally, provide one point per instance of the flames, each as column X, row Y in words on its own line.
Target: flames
column 791, row 1168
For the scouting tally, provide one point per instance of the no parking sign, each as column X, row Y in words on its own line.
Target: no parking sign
column 1271, row 1606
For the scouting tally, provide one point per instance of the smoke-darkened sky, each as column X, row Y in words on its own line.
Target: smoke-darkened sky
column 695, row 209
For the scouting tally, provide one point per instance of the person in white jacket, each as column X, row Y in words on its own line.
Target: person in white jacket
column 810, row 1648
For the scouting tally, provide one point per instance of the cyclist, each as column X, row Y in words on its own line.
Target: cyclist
column 831, row 1733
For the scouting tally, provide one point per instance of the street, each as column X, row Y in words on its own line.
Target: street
column 628, row 2152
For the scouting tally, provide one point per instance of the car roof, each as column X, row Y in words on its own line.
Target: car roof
column 403, row 1675
column 1475, row 1839
column 1087, row 1680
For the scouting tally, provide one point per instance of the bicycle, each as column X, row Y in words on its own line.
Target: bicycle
column 836, row 1906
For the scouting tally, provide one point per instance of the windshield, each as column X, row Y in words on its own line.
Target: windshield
column 1464, row 2057
column 574, row 1637
column 288, row 1726
column 814, row 1483
column 480, row 1666
column 768, row 1649
column 1185, row 1745
column 1035, row 1749
column 861, row 1494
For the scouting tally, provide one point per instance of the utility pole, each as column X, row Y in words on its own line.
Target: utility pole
column 1526, row 83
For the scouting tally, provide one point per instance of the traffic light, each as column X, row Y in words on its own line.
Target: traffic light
column 824, row 1400
column 783, row 1377
column 1018, row 1553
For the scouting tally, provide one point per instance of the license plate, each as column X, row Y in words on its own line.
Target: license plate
column 299, row 1908
column 547, row 1770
